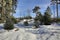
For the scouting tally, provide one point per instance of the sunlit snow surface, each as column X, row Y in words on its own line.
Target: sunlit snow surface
column 45, row 32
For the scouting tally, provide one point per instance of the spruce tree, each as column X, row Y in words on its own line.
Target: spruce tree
column 47, row 17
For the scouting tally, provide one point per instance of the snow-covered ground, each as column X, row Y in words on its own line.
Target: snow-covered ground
column 45, row 32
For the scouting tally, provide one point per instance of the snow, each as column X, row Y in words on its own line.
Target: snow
column 17, row 35
column 45, row 32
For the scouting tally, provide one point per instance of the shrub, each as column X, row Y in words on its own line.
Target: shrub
column 36, row 24
column 26, row 23
column 8, row 25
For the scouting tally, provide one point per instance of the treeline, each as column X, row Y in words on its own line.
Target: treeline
column 45, row 19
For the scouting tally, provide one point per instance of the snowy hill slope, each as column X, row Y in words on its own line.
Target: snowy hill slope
column 50, row 32
column 17, row 35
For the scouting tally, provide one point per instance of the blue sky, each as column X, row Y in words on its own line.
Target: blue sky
column 24, row 5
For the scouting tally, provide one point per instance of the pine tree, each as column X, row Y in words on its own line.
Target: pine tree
column 47, row 17
column 49, row 10
column 38, row 16
column 36, row 9
column 9, row 6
